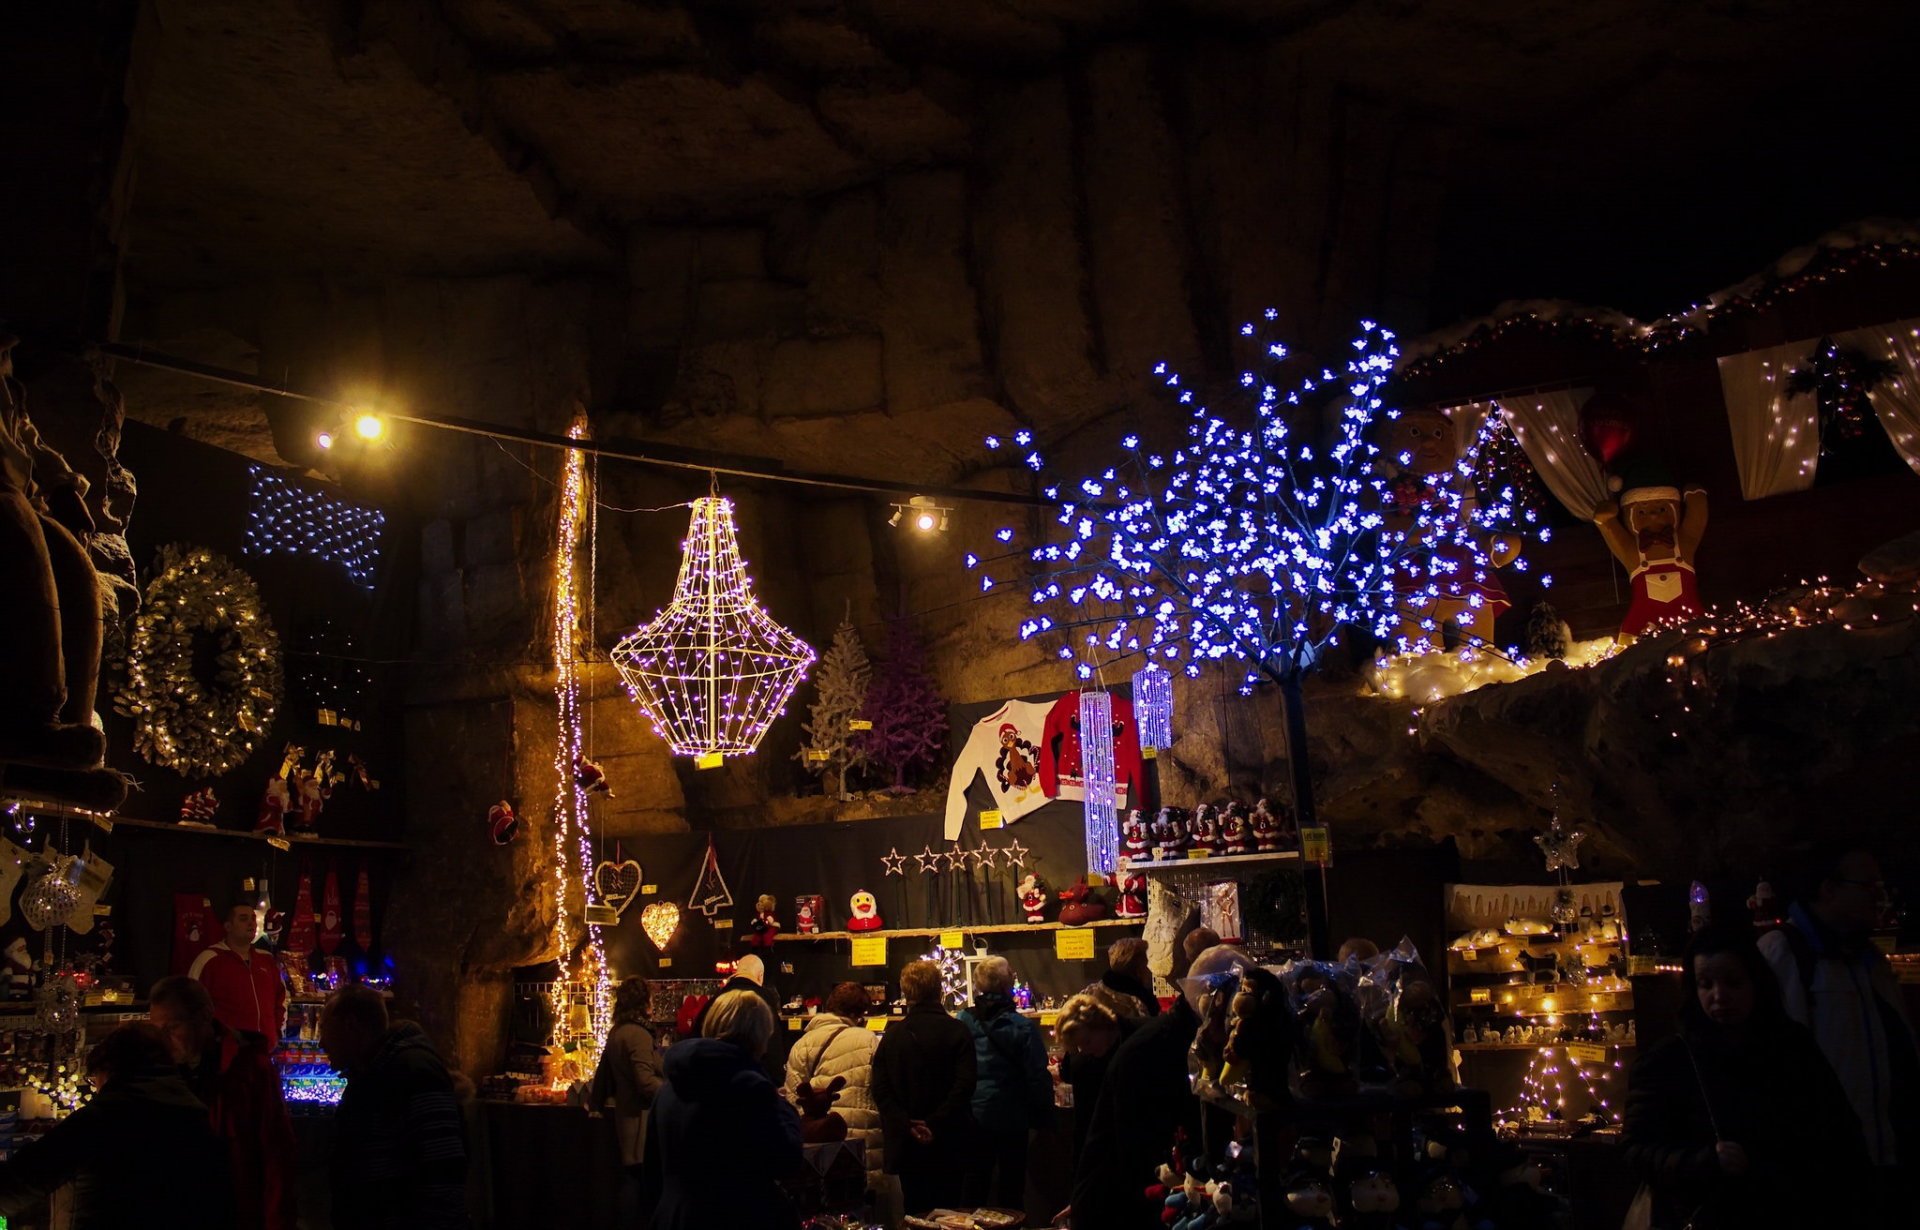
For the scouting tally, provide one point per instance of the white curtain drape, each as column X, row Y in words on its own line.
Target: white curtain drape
column 1547, row 426
column 1467, row 422
column 1897, row 402
column 1776, row 438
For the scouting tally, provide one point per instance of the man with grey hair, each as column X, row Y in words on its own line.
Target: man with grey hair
column 750, row 974
column 1012, row 1093
column 233, row 1074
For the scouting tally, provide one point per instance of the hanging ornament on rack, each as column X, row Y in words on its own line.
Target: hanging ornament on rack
column 50, row 899
column 1097, row 770
column 1153, row 705
column 713, row 669
column 710, row 892
column 618, row 882
column 1560, row 844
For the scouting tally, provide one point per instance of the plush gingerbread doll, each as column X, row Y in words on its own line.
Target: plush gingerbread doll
column 1655, row 531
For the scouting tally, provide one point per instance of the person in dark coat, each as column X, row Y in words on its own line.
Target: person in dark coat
column 1089, row 1032
column 1127, row 986
column 1012, row 1093
column 1145, row 1099
column 750, row 974
column 233, row 1074
column 721, row 1137
column 627, row 1081
column 923, row 1078
column 1738, row 1121
column 399, row 1145
column 140, row 1154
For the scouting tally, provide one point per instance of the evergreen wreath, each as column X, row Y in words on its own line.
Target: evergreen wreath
column 203, row 678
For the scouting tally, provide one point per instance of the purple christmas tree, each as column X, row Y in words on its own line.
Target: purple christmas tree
column 908, row 713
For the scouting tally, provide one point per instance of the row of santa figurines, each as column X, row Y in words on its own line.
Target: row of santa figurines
column 1079, row 903
column 1223, row 828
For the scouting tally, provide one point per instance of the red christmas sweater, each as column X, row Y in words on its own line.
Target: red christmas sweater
column 1060, row 774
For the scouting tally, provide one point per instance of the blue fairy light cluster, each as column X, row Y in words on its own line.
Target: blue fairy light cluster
column 1252, row 543
column 284, row 518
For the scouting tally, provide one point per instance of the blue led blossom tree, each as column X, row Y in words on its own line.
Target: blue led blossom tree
column 1253, row 543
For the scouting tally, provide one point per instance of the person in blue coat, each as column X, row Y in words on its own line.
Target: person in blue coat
column 721, row 1137
column 1012, row 1093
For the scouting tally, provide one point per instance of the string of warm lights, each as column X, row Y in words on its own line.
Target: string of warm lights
column 286, row 519
column 572, row 840
column 712, row 670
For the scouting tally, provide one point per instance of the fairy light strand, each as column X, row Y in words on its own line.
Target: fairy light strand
column 284, row 518
column 572, row 839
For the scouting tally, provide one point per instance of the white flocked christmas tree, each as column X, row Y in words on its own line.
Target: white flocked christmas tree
column 830, row 750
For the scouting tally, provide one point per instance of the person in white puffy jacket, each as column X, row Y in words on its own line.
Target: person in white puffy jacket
column 837, row 1042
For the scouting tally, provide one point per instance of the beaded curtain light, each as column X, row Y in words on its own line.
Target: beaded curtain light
column 713, row 669
column 1097, row 772
column 1153, row 706
column 286, row 518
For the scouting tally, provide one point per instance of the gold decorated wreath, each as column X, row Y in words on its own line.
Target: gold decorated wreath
column 203, row 677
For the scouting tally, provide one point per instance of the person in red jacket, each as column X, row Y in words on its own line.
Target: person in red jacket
column 248, row 993
column 233, row 1074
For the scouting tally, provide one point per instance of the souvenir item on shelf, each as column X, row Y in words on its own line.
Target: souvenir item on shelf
column 1309, row 1202
column 200, row 805
column 1220, row 910
column 764, row 926
column 1236, row 829
column 1329, row 1027
column 277, row 799
column 1272, row 831
column 1169, row 834
column 1203, row 829
column 312, row 787
column 1655, row 531
column 1134, row 842
column 863, row 912
column 502, row 824
column 1528, row 926
column 1080, row 905
column 1033, row 897
column 809, row 909
column 1133, row 890
column 1484, row 937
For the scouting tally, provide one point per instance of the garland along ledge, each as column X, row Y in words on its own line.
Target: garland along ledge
column 200, row 727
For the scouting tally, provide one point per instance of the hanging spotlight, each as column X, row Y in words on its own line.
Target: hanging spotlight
column 369, row 426
column 925, row 516
column 324, row 439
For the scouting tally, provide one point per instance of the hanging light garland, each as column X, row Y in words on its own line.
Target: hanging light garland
column 713, row 669
column 588, row 985
column 1153, row 706
column 1097, row 772
column 284, row 518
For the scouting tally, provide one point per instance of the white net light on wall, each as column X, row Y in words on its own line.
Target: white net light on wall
column 713, row 669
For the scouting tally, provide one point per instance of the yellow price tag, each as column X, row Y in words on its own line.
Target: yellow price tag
column 1073, row 944
column 1469, row 954
column 648, row 890
column 1586, row 1052
column 666, row 963
column 1200, row 853
column 1316, row 845
column 723, row 924
column 877, row 1024
column 709, row 760
column 1149, row 752
column 953, row 941
column 1480, row 995
column 1049, row 1019
column 794, row 1024
column 859, row 724
column 869, row 950
column 102, row 823
column 818, row 757
column 991, row 819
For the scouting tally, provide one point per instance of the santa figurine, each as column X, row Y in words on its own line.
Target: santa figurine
column 274, row 804
column 1654, row 531
column 1133, row 889
column 863, row 912
column 807, row 908
column 1270, row 831
column 1133, row 835
column 1235, row 830
column 764, row 926
column 1203, row 830
column 1033, row 898
column 1169, row 834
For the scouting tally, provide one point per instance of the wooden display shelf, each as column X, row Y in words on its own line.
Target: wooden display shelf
column 987, row 929
column 109, row 823
column 1472, row 1047
column 1215, row 860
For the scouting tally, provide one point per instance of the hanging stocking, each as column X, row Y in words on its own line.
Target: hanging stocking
column 330, row 919
column 363, row 913
column 300, row 938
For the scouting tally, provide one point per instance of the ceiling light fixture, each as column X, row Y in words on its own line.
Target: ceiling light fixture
column 922, row 514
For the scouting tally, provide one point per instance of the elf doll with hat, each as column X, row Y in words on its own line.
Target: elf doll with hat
column 1654, row 528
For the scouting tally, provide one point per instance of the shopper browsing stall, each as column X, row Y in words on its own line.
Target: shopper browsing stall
column 233, row 1074
column 248, row 992
column 628, row 1079
column 923, row 1078
column 1012, row 1093
column 1089, row 1032
column 838, row 1044
column 1127, row 986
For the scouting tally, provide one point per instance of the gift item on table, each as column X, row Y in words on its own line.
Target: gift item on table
column 1220, row 910
column 1323, row 1001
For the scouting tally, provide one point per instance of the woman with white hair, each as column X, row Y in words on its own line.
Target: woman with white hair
column 722, row 1137
column 1012, row 1093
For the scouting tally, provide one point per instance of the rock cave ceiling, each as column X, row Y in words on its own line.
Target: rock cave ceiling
column 477, row 137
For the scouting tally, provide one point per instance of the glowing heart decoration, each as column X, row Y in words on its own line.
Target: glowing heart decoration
column 660, row 920
column 617, row 884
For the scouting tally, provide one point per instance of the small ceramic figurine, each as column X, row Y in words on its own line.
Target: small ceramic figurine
column 864, row 912
column 1133, row 889
column 1169, row 834
column 1272, row 831
column 1033, row 898
column 1133, row 836
column 1236, row 829
column 807, row 909
column 1203, row 829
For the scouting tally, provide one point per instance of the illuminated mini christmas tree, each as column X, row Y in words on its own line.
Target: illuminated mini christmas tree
column 832, row 748
column 907, row 709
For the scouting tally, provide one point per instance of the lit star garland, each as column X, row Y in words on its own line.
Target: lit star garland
column 1097, row 770
column 286, row 519
column 570, row 820
column 713, row 669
